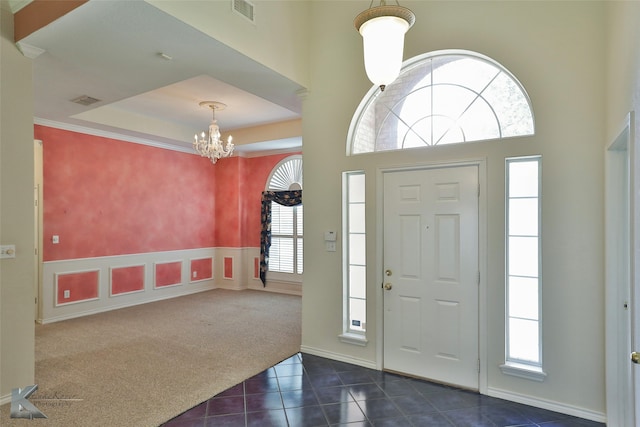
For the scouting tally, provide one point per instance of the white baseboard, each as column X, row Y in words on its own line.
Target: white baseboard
column 339, row 357
column 547, row 404
column 277, row 287
column 231, row 286
column 115, row 307
column 493, row 392
column 5, row 399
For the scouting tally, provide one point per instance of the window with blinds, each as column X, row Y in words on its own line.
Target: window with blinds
column 286, row 254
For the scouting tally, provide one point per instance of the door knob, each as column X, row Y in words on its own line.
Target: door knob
column 635, row 357
column 388, row 286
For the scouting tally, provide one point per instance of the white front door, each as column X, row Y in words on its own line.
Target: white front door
column 431, row 274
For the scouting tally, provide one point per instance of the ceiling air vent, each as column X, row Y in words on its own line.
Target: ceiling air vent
column 85, row 100
column 244, row 8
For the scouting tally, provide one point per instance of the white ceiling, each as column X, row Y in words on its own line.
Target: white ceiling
column 112, row 51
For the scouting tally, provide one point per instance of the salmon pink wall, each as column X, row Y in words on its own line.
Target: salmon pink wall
column 168, row 274
column 258, row 170
column 241, row 182
column 127, row 279
column 229, row 191
column 107, row 197
column 227, row 266
column 202, row 268
column 80, row 286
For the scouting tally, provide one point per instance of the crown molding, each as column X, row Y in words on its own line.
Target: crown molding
column 111, row 135
column 30, row 51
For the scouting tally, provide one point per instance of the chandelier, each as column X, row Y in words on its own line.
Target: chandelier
column 210, row 145
column 382, row 29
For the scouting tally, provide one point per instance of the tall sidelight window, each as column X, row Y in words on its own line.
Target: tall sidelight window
column 285, row 254
column 523, row 267
column 354, row 249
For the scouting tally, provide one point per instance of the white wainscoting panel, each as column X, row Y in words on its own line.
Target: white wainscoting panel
column 273, row 285
column 106, row 301
column 242, row 275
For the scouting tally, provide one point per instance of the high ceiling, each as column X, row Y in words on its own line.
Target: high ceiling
column 150, row 71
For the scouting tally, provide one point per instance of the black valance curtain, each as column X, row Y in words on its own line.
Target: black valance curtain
column 285, row 198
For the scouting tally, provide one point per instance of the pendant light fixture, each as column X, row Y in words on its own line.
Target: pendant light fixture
column 383, row 28
column 210, row 145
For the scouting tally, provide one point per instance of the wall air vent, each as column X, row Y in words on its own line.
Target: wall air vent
column 244, row 8
column 85, row 100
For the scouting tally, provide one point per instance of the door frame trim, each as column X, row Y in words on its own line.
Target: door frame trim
column 38, row 154
column 619, row 274
column 481, row 164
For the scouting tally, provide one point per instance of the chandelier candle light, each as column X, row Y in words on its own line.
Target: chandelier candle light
column 211, row 146
column 383, row 28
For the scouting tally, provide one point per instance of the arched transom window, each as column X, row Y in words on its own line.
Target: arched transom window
column 443, row 97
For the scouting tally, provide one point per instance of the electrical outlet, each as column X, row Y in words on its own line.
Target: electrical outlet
column 67, row 293
column 195, row 274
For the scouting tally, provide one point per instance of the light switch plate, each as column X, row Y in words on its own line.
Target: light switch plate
column 7, row 251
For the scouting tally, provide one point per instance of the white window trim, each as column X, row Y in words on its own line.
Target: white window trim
column 280, row 276
column 520, row 370
column 348, row 336
column 354, row 338
column 373, row 93
column 513, row 367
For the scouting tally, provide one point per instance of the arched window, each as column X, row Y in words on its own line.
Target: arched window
column 443, row 97
column 285, row 254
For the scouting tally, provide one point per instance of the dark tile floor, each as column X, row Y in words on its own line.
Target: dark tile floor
column 306, row 390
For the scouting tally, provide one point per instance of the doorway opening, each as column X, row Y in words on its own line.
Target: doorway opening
column 618, row 265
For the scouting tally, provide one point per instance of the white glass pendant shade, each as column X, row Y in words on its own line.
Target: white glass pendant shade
column 383, row 40
column 383, row 28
